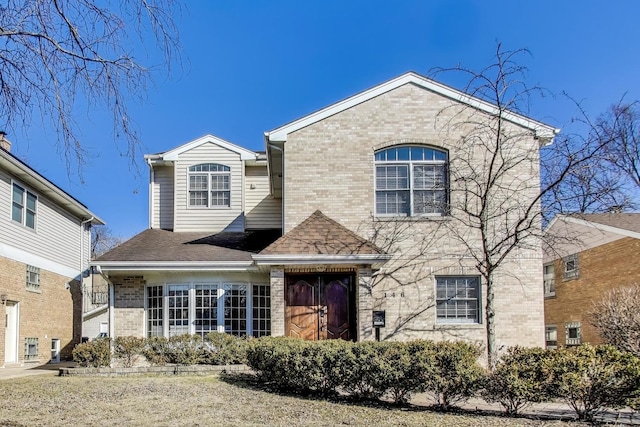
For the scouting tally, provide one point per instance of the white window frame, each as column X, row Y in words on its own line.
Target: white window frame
column 33, row 278
column 223, row 289
column 550, row 332
column 459, row 298
column 388, row 157
column 549, row 279
column 573, row 341
column 23, row 205
column 29, row 344
column 210, row 171
column 571, row 268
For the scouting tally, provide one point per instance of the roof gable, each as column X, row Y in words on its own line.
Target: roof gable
column 321, row 235
column 542, row 131
column 244, row 154
column 626, row 224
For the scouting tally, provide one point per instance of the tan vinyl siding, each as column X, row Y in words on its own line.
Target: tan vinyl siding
column 203, row 219
column 261, row 210
column 57, row 233
column 162, row 213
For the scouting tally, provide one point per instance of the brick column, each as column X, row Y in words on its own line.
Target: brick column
column 364, row 304
column 277, row 301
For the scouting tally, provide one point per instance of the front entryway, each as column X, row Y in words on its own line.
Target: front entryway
column 11, row 333
column 320, row 306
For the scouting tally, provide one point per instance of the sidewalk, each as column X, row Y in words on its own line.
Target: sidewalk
column 543, row 411
column 30, row 369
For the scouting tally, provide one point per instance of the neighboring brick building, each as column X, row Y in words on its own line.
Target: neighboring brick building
column 592, row 253
column 44, row 253
column 361, row 190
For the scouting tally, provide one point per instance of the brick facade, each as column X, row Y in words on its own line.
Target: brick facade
column 612, row 265
column 129, row 305
column 330, row 167
column 52, row 312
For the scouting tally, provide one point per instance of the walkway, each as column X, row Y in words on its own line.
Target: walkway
column 30, row 369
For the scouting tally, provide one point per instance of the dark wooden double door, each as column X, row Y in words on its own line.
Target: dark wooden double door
column 319, row 307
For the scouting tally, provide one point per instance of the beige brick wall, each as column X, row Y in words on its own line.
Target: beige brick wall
column 605, row 267
column 129, row 305
column 330, row 166
column 52, row 312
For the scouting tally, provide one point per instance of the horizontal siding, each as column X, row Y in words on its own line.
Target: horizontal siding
column 57, row 234
column 214, row 220
column 163, row 206
column 261, row 210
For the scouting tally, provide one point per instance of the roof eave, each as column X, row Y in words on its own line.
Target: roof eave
column 165, row 266
column 297, row 259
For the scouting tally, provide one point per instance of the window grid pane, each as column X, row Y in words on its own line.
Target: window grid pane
column 206, row 306
column 178, row 309
column 261, row 310
column 421, row 172
column 235, row 310
column 457, row 299
column 154, row 311
column 33, row 278
column 30, row 348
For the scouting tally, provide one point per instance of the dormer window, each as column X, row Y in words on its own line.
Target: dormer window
column 209, row 186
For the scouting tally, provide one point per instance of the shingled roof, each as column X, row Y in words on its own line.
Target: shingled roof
column 154, row 245
column 624, row 221
column 321, row 235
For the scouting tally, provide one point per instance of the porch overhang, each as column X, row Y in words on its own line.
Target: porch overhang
column 375, row 260
column 134, row 267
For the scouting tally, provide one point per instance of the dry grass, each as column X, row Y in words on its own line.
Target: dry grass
column 198, row 401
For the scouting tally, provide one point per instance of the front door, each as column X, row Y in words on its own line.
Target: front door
column 11, row 333
column 320, row 306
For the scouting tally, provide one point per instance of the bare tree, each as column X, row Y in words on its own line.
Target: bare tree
column 496, row 197
column 617, row 318
column 103, row 240
column 53, row 52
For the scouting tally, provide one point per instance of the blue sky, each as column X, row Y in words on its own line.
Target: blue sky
column 251, row 66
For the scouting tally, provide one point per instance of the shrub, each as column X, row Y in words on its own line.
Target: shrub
column 95, row 354
column 156, row 350
column 365, row 369
column 223, row 349
column 128, row 349
column 278, row 361
column 519, row 379
column 452, row 372
column 404, row 372
column 591, row 378
column 185, row 349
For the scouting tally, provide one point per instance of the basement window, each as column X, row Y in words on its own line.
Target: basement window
column 30, row 349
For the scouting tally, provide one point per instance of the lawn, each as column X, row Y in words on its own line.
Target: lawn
column 199, row 401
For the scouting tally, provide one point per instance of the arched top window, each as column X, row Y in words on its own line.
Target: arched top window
column 411, row 181
column 209, row 167
column 209, row 186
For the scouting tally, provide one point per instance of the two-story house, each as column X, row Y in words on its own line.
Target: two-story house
column 341, row 217
column 44, row 255
column 590, row 254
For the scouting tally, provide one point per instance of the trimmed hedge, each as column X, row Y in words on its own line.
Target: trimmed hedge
column 93, row 354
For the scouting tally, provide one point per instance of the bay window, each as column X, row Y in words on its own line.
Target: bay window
column 240, row 309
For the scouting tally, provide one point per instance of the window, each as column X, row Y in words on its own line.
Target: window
column 549, row 280
column 551, row 337
column 33, row 278
column 199, row 308
column 573, row 333
column 23, row 208
column 457, row 300
column 570, row 267
column 411, row 181
column 209, row 186
column 30, row 349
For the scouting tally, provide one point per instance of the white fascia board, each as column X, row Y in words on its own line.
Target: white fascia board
column 122, row 266
column 25, row 257
column 602, row 227
column 245, row 154
column 294, row 259
column 541, row 130
column 42, row 185
column 97, row 310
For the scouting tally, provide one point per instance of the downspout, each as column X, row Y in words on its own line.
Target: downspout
column 151, row 178
column 282, row 168
column 81, row 276
column 111, row 300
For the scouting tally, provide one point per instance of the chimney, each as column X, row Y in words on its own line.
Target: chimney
column 5, row 144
